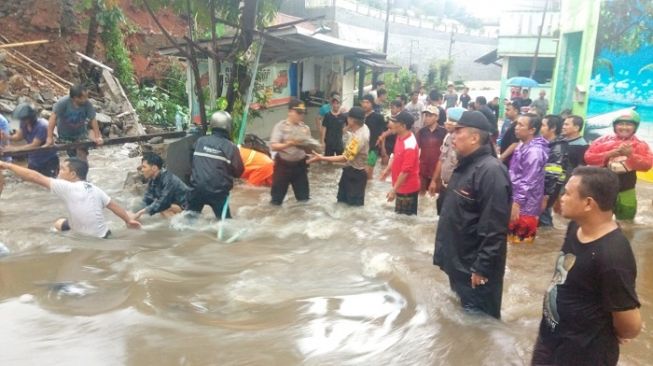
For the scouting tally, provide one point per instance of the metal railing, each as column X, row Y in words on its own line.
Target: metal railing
column 364, row 10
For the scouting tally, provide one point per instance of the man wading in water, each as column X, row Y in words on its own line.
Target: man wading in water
column 404, row 166
column 290, row 166
column 591, row 305
column 351, row 188
column 470, row 244
column 166, row 194
column 216, row 163
column 84, row 201
column 34, row 131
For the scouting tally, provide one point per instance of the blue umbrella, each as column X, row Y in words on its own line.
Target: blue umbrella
column 522, row 82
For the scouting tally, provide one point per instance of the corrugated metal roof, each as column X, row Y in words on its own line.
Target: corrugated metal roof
column 292, row 44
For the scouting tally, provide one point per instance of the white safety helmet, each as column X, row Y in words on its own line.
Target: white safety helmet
column 221, row 120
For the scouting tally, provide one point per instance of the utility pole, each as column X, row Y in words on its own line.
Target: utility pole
column 451, row 42
column 387, row 27
column 410, row 57
column 539, row 38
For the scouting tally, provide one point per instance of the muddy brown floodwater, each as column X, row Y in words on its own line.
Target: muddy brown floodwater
column 307, row 284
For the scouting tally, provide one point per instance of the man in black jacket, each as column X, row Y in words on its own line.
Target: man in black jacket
column 481, row 105
column 216, row 163
column 470, row 243
column 556, row 168
column 166, row 193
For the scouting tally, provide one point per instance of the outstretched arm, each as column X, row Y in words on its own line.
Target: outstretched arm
column 120, row 212
column 27, row 174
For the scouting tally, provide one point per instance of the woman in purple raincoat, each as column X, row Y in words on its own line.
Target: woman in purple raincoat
column 527, row 178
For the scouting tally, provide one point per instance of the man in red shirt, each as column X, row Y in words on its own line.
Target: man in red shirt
column 404, row 166
column 429, row 140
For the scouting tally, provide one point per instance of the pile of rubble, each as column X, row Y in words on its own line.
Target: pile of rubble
column 24, row 80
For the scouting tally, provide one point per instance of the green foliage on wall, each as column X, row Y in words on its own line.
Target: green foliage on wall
column 438, row 75
column 403, row 82
column 113, row 39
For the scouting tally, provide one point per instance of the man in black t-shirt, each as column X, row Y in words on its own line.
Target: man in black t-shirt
column 331, row 129
column 481, row 106
column 508, row 141
column 376, row 124
column 591, row 305
column 525, row 100
column 494, row 106
column 465, row 98
column 571, row 131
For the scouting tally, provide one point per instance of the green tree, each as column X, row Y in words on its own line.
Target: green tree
column 401, row 83
column 438, row 74
column 207, row 15
column 97, row 9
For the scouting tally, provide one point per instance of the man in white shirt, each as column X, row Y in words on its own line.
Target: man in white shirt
column 84, row 201
column 415, row 108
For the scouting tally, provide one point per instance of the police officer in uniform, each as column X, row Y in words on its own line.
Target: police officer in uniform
column 216, row 163
column 290, row 167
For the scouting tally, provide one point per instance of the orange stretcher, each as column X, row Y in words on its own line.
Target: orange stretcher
column 258, row 167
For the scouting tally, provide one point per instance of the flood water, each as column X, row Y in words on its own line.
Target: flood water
column 306, row 284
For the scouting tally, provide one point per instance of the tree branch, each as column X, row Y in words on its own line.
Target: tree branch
column 201, row 49
column 164, row 31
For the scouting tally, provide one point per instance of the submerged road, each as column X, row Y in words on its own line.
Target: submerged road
column 306, row 284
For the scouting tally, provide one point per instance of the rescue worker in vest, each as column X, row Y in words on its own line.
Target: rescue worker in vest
column 290, row 168
column 470, row 243
column 624, row 154
column 216, row 163
column 258, row 167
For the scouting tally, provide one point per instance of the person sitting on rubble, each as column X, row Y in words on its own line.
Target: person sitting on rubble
column 72, row 115
column 34, row 131
column 166, row 193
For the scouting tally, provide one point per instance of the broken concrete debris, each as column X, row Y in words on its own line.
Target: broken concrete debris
column 24, row 80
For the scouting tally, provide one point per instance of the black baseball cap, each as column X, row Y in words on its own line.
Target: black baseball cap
column 474, row 119
column 357, row 113
column 297, row 105
column 404, row 118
